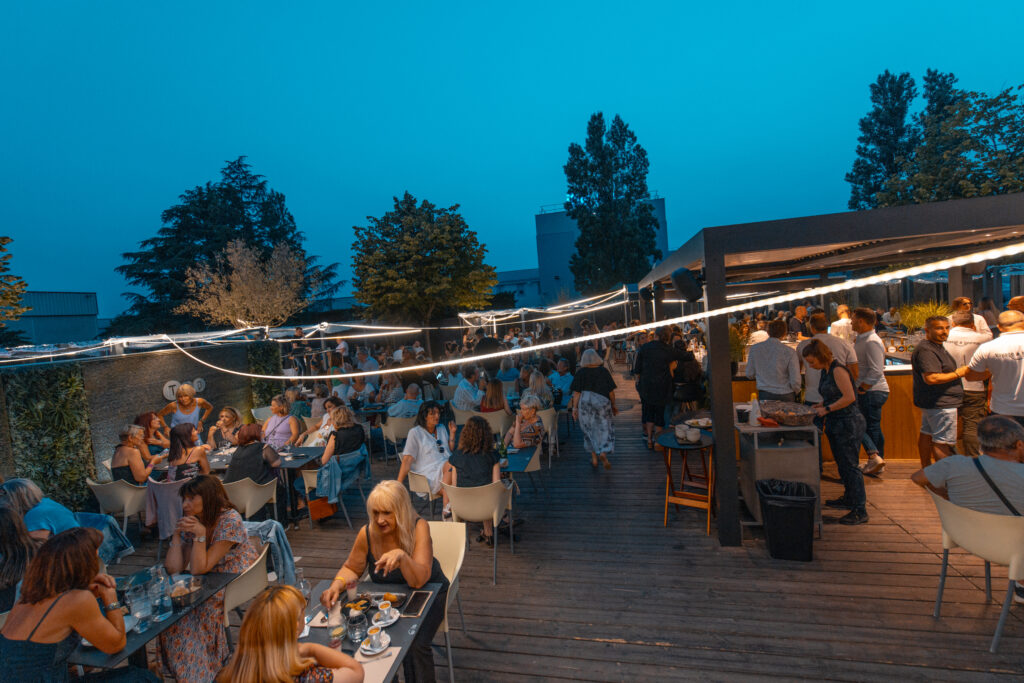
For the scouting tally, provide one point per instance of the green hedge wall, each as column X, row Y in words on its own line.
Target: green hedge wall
column 264, row 359
column 50, row 440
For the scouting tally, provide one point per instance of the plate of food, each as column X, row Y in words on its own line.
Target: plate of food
column 699, row 423
column 360, row 604
column 396, row 599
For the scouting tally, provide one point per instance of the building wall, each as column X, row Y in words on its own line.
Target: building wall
column 556, row 243
column 57, row 317
column 121, row 387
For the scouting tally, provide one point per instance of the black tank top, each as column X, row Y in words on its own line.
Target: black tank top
column 24, row 660
column 395, row 576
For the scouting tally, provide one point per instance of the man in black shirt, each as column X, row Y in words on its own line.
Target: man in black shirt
column 938, row 392
column 485, row 344
column 798, row 323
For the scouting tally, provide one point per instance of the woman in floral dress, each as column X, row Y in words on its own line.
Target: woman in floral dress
column 593, row 406
column 209, row 537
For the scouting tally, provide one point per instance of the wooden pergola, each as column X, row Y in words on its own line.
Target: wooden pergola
column 798, row 253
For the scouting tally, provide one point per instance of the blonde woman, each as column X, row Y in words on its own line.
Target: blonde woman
column 593, row 406
column 347, row 435
column 185, row 408
column 281, row 428
column 539, row 389
column 395, row 548
column 225, row 432
column 269, row 650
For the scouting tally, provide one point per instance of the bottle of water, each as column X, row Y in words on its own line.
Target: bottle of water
column 160, row 595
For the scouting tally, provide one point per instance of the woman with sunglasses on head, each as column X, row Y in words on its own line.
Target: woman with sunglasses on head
column 269, row 649
column 427, row 448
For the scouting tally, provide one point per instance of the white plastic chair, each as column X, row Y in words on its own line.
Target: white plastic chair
column 309, row 478
column 534, row 466
column 163, row 495
column 550, row 419
column 462, row 416
column 262, row 414
column 420, row 484
column 396, row 429
column 480, row 503
column 449, row 541
column 448, row 391
column 244, row 588
column 250, row 497
column 119, row 497
column 993, row 538
column 499, row 420
column 311, row 423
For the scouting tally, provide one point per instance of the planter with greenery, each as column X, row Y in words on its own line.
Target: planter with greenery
column 264, row 359
column 50, row 437
column 737, row 346
column 913, row 316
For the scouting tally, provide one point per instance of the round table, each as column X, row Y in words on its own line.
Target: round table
column 704, row 481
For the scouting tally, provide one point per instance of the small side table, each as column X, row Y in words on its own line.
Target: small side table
column 704, row 482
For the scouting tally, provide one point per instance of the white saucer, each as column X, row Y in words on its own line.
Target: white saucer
column 385, row 641
column 385, row 621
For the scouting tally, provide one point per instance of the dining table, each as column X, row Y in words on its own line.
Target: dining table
column 135, row 648
column 383, row 666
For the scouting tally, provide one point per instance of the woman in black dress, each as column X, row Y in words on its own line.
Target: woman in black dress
column 654, row 384
column 475, row 464
column 395, row 547
column 253, row 458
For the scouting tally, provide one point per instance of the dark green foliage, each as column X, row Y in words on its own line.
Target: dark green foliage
column 502, row 301
column 12, row 287
column 240, row 206
column 50, row 438
column 887, row 139
column 607, row 185
column 264, row 359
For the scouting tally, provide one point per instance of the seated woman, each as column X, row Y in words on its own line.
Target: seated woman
column 225, row 433
column 523, row 379
column 43, row 517
column 528, row 429
column 361, row 390
column 507, row 371
column 156, row 440
column 128, row 462
column 252, row 458
column 475, row 464
column 391, row 390
column 269, row 649
column 325, row 428
column 185, row 459
column 539, row 388
column 60, row 602
column 297, row 406
column 281, row 428
column 494, row 399
column 320, row 394
column 209, row 537
column 16, row 550
column 347, row 435
column 395, row 547
column 427, row 448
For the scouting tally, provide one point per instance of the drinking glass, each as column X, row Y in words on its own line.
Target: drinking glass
column 302, row 584
column 142, row 610
column 357, row 627
column 160, row 593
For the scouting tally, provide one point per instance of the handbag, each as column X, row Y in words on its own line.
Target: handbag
column 319, row 508
column 992, row 484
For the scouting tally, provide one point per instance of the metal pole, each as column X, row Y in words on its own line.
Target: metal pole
column 625, row 306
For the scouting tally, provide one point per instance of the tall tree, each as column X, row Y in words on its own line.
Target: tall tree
column 418, row 261
column 245, row 289
column 240, row 206
column 12, row 287
column 607, row 188
column 887, row 139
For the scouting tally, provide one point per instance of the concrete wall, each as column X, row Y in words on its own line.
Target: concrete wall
column 121, row 387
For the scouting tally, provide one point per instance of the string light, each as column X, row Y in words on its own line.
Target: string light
column 945, row 264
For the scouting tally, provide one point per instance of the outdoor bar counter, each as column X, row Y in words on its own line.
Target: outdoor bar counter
column 900, row 419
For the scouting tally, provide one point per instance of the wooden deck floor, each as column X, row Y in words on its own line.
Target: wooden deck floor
column 599, row 590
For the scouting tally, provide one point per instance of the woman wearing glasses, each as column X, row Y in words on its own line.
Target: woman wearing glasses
column 427, row 449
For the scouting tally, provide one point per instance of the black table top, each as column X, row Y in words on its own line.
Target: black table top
column 300, row 455
column 402, row 631
column 669, row 440
column 90, row 656
column 517, row 462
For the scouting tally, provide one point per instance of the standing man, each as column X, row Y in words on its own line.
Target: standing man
column 1003, row 360
column 963, row 304
column 961, row 344
column 774, row 366
column 872, row 389
column 470, row 390
column 797, row 323
column 485, row 344
column 366, row 363
column 938, row 392
column 843, row 327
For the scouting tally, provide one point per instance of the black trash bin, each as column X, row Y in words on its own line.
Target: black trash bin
column 787, row 508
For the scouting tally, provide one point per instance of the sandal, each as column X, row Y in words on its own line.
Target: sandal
column 604, row 461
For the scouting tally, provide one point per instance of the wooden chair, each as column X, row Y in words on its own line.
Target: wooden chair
column 449, row 541
column 993, row 538
column 244, row 588
column 420, row 484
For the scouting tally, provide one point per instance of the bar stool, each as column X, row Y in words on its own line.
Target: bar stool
column 696, row 490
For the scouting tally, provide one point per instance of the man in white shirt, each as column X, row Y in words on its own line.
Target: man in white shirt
column 961, row 344
column 1002, row 359
column 408, row 406
column 964, row 304
column 843, row 327
column 872, row 389
column 774, row 366
column 468, row 393
column 561, row 378
column 367, row 364
column 891, row 318
column 342, row 349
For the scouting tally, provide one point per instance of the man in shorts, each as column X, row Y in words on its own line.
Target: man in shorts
column 938, row 392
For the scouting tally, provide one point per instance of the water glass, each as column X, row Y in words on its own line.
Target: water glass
column 303, row 585
column 141, row 607
column 357, row 627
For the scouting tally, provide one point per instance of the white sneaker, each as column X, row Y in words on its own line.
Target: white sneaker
column 874, row 465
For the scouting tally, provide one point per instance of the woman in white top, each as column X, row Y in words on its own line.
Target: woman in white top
column 324, row 430
column 427, row 449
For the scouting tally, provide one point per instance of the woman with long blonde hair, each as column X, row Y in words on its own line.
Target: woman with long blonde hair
column 395, row 547
column 269, row 650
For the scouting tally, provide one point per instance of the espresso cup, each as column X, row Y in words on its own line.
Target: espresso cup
column 375, row 636
column 385, row 607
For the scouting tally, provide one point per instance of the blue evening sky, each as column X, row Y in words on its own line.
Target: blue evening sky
column 748, row 111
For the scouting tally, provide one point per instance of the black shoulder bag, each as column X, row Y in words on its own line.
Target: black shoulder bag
column 992, row 484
